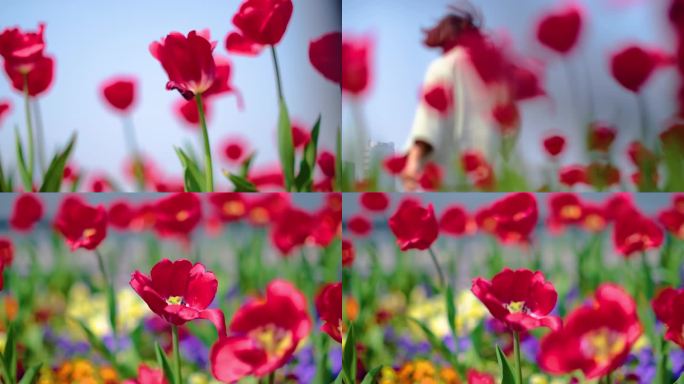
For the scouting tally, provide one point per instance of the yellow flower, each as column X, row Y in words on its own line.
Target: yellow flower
column 432, row 312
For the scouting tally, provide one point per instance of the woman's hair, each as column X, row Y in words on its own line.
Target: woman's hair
column 446, row 32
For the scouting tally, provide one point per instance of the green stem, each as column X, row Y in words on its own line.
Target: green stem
column 279, row 83
column 516, row 350
column 209, row 169
column 109, row 289
column 29, row 128
column 40, row 136
column 176, row 354
column 609, row 378
column 138, row 171
column 271, row 378
column 439, row 269
column 648, row 278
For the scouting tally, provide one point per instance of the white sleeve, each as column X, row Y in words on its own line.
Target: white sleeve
column 428, row 124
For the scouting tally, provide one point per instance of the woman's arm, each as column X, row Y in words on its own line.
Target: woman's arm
column 415, row 161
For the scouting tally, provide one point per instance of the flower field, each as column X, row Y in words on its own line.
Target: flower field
column 513, row 288
column 177, row 288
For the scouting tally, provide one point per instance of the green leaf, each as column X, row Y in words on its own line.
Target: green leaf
column 21, row 163
column 370, row 376
column 96, row 342
column 9, row 359
column 163, row 362
column 246, row 165
column 52, row 180
column 241, row 184
column 111, row 306
column 285, row 146
column 436, row 343
column 192, row 175
column 451, row 312
column 506, row 372
column 349, row 356
column 304, row 180
column 190, row 184
column 31, row 374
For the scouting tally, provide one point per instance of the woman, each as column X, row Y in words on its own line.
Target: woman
column 469, row 68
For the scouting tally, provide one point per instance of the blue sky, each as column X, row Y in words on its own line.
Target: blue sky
column 400, row 62
column 93, row 40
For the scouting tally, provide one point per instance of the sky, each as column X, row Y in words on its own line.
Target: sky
column 400, row 61
column 94, row 40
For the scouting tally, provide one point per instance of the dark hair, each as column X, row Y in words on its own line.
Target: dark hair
column 446, row 32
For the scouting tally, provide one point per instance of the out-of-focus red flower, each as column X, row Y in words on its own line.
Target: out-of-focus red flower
column 147, row 375
column 325, row 54
column 120, row 214
column 292, row 229
column 99, row 183
column 602, row 174
column 640, row 155
column 593, row 217
column 478, row 169
column 359, row 225
column 262, row 339
column 414, row 226
column 71, row 173
column 150, row 173
column 439, row 97
column 617, row 205
column 634, row 232
column 326, row 162
column 636, row 178
column 572, row 175
column 327, row 223
column 259, row 23
column 667, row 306
column 672, row 137
column 507, row 116
column 374, row 201
column 38, row 79
column 559, row 30
column 187, row 111
column 516, row 217
column 673, row 221
column 476, row 377
column 228, row 206
column 431, row 178
column 520, row 298
column 454, row 221
column 601, row 137
column 267, row 177
column 300, row 136
column 348, row 253
column 596, row 337
column 6, row 257
column 5, row 109
column 234, row 150
column 633, row 65
column 554, row 145
column 166, row 185
column 82, row 225
column 22, row 50
column 487, row 57
column 394, row 164
column 26, row 212
column 179, row 292
column 143, row 217
column 119, row 92
column 267, row 208
column 188, row 62
column 356, row 71
column 177, row 214
column 525, row 83
column 565, row 208
column 329, row 308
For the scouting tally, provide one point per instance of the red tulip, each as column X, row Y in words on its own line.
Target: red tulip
column 359, row 225
column 516, row 217
column 565, row 208
column 634, row 232
column 439, row 97
column 222, row 80
column 119, row 92
column 431, row 178
column 147, row 375
column 82, row 225
column 617, row 205
column 187, row 111
column 27, row 211
column 572, row 175
column 593, row 218
column 329, row 308
column 99, row 183
column 454, row 221
column 179, row 292
column 22, row 50
column 38, row 79
column 374, row 201
column 188, row 62
column 673, row 221
column 300, row 136
column 414, row 226
column 476, row 377
column 234, row 150
column 520, row 298
column 326, row 162
column 602, row 174
column 5, row 109
column 601, row 137
column 633, row 66
column 325, row 54
column 348, row 253
column 269, row 177
column 267, row 208
column 394, row 164
column 144, row 217
column 507, row 117
column 327, row 225
column 356, row 69
column 259, row 23
column 177, row 214
column 596, row 337
column 525, row 83
column 554, row 145
column 560, row 30
column 478, row 170
column 120, row 214
column 262, row 339
column 667, row 306
column 228, row 206
column 292, row 230
column 6, row 257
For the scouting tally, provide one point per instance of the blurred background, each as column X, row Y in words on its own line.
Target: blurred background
column 399, row 61
column 93, row 41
